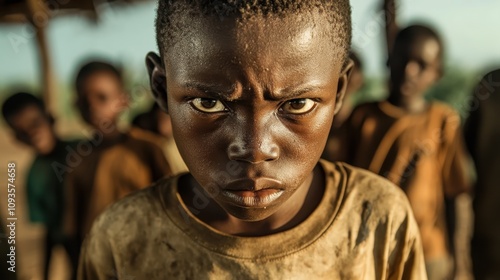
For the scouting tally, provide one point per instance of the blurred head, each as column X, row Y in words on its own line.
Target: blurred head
column 416, row 61
column 251, row 88
column 100, row 93
column 32, row 125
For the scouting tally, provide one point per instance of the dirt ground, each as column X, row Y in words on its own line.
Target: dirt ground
column 29, row 236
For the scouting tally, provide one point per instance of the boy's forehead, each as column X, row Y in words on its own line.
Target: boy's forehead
column 278, row 45
column 428, row 49
column 28, row 112
column 419, row 43
column 100, row 79
column 256, row 32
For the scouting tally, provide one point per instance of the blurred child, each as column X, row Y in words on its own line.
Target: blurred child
column 251, row 88
column 482, row 137
column 114, row 163
column 414, row 143
column 159, row 123
column 356, row 81
column 34, row 126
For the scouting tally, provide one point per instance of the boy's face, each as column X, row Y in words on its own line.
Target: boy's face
column 33, row 127
column 251, row 107
column 101, row 99
column 415, row 66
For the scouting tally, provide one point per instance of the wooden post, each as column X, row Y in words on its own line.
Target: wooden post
column 40, row 17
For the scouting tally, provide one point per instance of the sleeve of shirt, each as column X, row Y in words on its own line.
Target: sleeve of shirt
column 35, row 194
column 96, row 259
column 414, row 265
column 456, row 174
column 408, row 253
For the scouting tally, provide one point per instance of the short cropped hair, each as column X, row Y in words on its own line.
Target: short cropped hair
column 95, row 67
column 18, row 101
column 171, row 12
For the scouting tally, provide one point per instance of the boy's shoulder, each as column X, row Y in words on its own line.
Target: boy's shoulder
column 441, row 108
column 140, row 143
column 364, row 185
column 363, row 111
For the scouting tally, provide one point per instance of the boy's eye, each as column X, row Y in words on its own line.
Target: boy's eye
column 298, row 106
column 208, row 105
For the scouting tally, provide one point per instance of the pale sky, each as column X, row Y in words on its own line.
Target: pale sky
column 470, row 30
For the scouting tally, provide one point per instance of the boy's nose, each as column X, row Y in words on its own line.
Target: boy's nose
column 412, row 68
column 254, row 143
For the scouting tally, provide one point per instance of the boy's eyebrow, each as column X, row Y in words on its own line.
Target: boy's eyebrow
column 212, row 90
column 293, row 92
column 230, row 94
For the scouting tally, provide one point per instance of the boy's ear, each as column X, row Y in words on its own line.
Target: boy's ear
column 157, row 79
column 342, row 85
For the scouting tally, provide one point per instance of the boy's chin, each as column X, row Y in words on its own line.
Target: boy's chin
column 250, row 214
column 410, row 91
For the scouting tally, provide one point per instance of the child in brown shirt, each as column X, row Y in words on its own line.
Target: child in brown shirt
column 113, row 163
column 414, row 143
column 252, row 88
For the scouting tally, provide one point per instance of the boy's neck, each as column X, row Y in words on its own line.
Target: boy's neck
column 58, row 145
column 110, row 137
column 294, row 211
column 409, row 104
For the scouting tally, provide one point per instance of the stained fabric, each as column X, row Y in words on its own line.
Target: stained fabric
column 363, row 228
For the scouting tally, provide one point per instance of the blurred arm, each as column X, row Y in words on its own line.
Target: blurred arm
column 96, row 259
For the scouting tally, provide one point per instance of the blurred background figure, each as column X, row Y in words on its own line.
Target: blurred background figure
column 482, row 136
column 158, row 122
column 414, row 143
column 356, row 81
column 33, row 126
column 114, row 162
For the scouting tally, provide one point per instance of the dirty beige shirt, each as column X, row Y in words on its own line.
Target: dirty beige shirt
column 422, row 153
column 362, row 229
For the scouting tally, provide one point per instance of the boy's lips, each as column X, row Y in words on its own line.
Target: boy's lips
column 260, row 198
column 260, row 192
